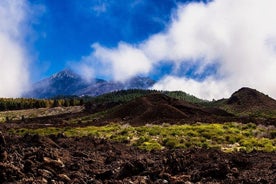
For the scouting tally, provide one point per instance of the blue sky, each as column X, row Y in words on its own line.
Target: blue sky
column 207, row 48
column 65, row 31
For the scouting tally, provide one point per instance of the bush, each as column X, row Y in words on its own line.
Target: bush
column 141, row 140
column 151, row 146
column 273, row 134
column 170, row 143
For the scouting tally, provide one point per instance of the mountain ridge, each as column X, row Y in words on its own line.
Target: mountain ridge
column 67, row 82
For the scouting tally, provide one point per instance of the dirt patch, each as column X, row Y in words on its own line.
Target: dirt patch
column 59, row 159
column 41, row 112
column 61, row 120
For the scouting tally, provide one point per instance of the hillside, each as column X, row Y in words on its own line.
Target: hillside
column 158, row 107
column 250, row 102
column 130, row 94
column 149, row 106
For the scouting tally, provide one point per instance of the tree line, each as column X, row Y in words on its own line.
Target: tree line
column 121, row 96
column 27, row 103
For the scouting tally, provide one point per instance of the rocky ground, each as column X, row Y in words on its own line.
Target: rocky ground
column 60, row 159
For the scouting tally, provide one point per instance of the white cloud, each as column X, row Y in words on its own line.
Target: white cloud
column 236, row 35
column 207, row 88
column 13, row 60
column 119, row 60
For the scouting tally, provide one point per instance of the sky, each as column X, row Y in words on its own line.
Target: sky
column 207, row 48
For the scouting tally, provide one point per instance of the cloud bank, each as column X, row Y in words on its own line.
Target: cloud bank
column 14, row 75
column 238, row 37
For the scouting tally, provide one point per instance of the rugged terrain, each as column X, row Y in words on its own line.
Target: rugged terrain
column 87, row 147
column 250, row 102
column 159, row 108
column 60, row 159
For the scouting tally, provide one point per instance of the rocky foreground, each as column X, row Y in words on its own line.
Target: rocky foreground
column 60, row 159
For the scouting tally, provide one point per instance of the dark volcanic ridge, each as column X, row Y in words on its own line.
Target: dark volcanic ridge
column 247, row 101
column 161, row 108
column 246, row 105
column 247, row 98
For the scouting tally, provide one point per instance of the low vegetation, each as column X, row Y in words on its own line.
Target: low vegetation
column 228, row 137
column 6, row 116
column 251, row 112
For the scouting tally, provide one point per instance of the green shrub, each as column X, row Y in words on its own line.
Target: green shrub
column 141, row 140
column 170, row 143
column 120, row 138
column 150, row 146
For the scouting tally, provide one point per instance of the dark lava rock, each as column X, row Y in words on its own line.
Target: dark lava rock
column 2, row 140
column 85, row 160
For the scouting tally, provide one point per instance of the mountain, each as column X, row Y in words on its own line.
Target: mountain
column 250, row 97
column 139, row 83
column 68, row 82
column 250, row 102
column 65, row 82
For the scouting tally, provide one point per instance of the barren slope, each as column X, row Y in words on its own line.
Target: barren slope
column 161, row 108
column 247, row 101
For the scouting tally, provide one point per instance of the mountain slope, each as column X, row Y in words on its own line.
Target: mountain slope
column 250, row 102
column 158, row 107
column 67, row 82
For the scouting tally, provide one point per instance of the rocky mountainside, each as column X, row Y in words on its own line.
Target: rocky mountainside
column 250, row 102
column 68, row 82
column 65, row 82
column 158, row 107
column 250, row 97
